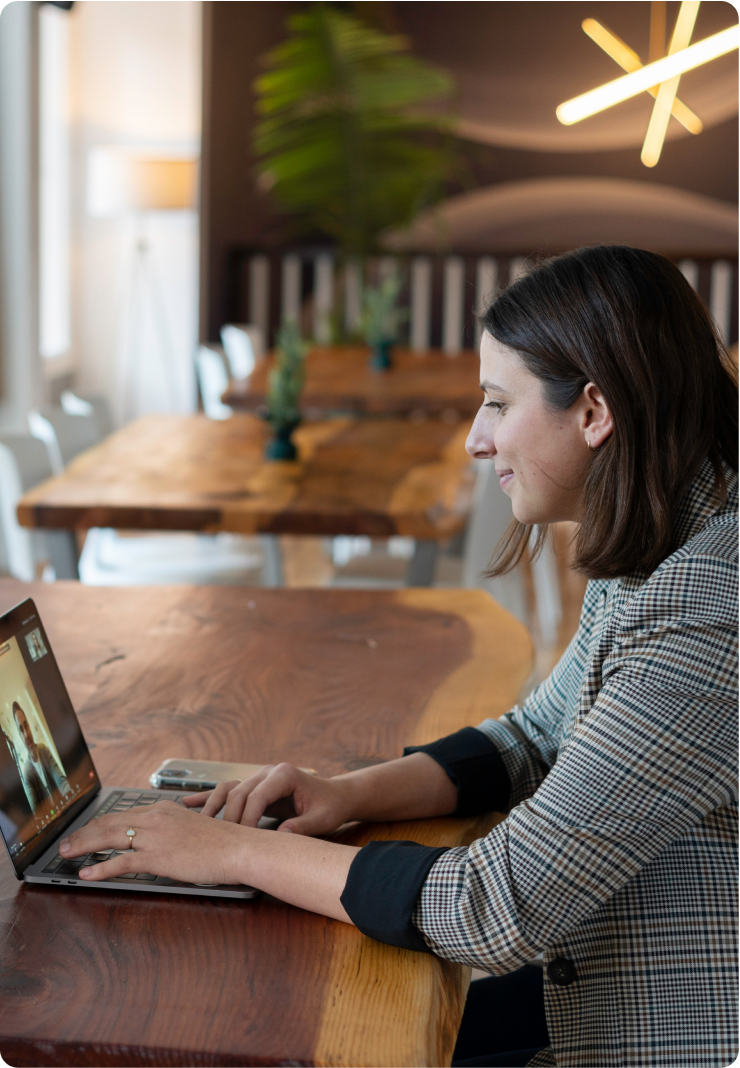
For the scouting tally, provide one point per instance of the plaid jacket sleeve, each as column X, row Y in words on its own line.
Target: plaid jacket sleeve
column 650, row 754
column 529, row 736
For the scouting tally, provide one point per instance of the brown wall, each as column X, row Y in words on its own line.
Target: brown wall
column 233, row 211
column 706, row 165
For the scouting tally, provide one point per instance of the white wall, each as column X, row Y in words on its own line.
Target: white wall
column 135, row 82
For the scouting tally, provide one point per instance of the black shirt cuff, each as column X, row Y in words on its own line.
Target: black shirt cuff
column 382, row 888
column 474, row 765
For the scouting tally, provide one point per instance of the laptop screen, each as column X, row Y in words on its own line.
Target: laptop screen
column 45, row 765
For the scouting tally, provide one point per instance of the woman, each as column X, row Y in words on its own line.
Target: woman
column 608, row 402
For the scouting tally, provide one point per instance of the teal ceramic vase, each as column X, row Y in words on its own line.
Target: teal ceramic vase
column 281, row 445
column 380, row 356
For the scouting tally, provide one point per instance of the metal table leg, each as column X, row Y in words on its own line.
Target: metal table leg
column 272, row 569
column 64, row 554
column 423, row 563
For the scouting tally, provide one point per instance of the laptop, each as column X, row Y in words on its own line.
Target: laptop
column 48, row 783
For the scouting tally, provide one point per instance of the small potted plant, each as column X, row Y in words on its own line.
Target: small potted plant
column 381, row 321
column 284, row 391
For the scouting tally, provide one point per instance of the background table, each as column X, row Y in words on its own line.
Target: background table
column 167, row 472
column 339, row 378
column 333, row 679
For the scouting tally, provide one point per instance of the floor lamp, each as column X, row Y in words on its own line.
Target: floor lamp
column 126, row 182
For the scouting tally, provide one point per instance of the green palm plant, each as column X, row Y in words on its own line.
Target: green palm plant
column 380, row 323
column 381, row 316
column 284, row 391
column 340, row 139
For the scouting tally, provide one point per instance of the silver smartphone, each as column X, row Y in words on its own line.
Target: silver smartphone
column 186, row 774
column 195, row 775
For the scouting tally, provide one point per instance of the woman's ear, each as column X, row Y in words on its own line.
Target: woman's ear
column 595, row 417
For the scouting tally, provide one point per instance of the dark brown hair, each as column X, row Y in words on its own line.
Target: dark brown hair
column 627, row 320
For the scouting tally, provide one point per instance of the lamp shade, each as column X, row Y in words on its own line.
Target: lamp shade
column 121, row 180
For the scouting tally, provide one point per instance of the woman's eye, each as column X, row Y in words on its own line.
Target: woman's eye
column 497, row 406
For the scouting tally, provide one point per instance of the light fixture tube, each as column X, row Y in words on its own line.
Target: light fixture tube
column 658, row 127
column 606, row 96
column 614, row 46
column 629, row 60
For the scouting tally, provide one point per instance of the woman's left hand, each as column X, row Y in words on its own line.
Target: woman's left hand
column 170, row 840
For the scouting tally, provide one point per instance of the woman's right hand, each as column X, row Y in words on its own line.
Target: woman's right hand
column 307, row 803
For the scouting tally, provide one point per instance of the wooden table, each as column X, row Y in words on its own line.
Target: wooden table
column 339, row 379
column 329, row 678
column 168, row 472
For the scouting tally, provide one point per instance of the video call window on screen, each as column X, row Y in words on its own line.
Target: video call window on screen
column 35, row 644
column 44, row 765
column 27, row 735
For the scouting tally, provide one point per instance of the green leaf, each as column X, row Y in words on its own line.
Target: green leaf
column 342, row 134
column 287, row 376
column 381, row 316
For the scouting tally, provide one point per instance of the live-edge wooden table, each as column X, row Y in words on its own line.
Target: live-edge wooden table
column 334, row 679
column 339, row 379
column 166, row 472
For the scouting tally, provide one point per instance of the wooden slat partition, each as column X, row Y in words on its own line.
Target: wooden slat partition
column 444, row 293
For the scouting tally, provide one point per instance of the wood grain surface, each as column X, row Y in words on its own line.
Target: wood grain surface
column 333, row 679
column 375, row 477
column 339, row 379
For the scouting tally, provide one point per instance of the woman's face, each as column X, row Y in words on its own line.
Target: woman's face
column 541, row 456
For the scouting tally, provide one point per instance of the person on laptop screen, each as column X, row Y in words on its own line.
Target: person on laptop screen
column 608, row 402
column 44, row 764
column 42, row 777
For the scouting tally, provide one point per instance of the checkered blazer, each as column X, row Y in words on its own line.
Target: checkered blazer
column 619, row 853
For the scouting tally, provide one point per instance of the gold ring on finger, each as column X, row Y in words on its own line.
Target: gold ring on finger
column 131, row 832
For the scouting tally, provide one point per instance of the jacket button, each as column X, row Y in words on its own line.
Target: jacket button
column 562, row 971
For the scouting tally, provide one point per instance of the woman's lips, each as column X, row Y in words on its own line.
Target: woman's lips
column 505, row 478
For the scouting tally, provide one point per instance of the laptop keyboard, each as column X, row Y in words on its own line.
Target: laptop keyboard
column 119, row 801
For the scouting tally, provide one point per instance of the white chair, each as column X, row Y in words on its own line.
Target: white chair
column 64, row 435
column 213, row 380
column 43, row 431
column 24, row 462
column 17, row 541
column 490, row 517
column 93, row 404
column 112, row 559
column 244, row 346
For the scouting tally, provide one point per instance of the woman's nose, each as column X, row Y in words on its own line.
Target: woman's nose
column 480, row 443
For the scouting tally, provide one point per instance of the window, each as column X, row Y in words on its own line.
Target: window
column 54, row 183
